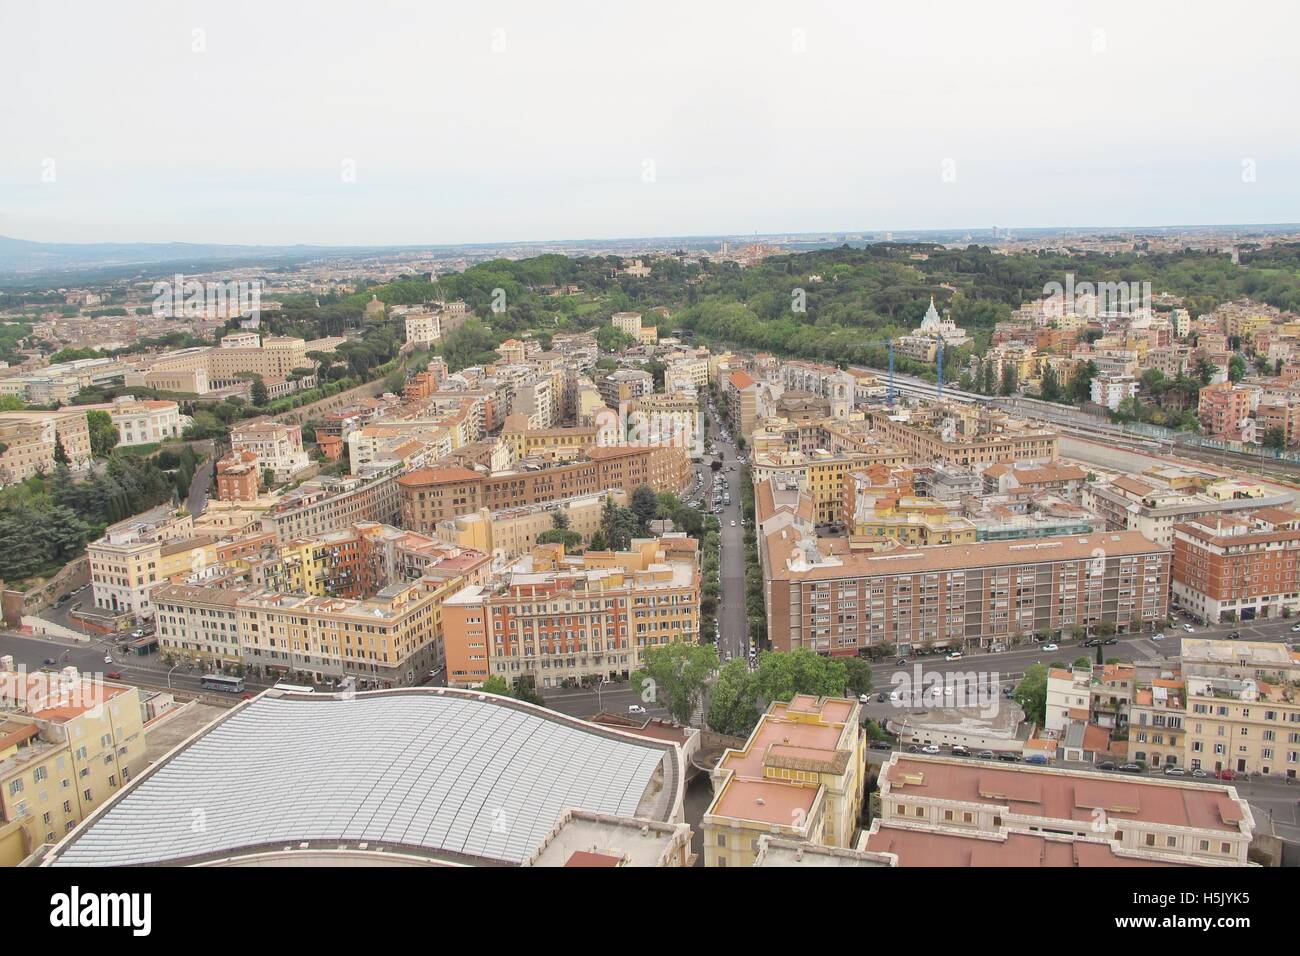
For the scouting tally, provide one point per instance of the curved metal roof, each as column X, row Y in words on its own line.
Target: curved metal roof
column 435, row 772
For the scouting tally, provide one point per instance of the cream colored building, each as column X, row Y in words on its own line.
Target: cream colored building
column 145, row 422
column 800, row 776
column 514, row 531
column 68, row 743
column 30, row 439
column 126, row 563
column 277, row 446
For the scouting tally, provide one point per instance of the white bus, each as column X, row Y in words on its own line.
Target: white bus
column 294, row 689
column 221, row 682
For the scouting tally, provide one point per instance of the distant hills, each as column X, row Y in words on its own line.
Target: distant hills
column 22, row 256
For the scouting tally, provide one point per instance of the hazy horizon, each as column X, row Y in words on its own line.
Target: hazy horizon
column 339, row 124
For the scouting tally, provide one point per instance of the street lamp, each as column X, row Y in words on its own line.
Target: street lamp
column 169, row 674
column 600, row 708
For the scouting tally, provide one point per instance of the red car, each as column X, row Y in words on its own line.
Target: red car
column 114, row 675
column 1226, row 775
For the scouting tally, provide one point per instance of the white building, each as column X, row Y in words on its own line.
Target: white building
column 277, row 446
column 423, row 328
column 1109, row 389
column 146, row 422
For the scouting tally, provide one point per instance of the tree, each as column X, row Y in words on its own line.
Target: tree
column 525, row 689
column 571, row 540
column 1206, row 370
column 1049, row 385
column 733, row 700
column 673, row 676
column 103, row 433
column 268, row 477
column 1031, row 693
column 1009, row 379
column 859, row 675
column 60, row 455
column 1275, row 437
column 496, row 685
column 781, row 676
column 260, row 395
column 1236, row 368
column 645, row 505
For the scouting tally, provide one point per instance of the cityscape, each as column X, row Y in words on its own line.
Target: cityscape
column 348, row 529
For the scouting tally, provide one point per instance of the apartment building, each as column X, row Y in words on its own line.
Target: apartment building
column 1238, row 567
column 954, row 435
column 822, row 474
column 422, row 328
column 1282, row 414
column 330, row 503
column 799, row 777
column 199, row 623
column 554, row 443
column 1224, row 411
column 624, row 385
column 29, row 442
column 432, row 495
column 1153, row 506
column 558, row 619
column 68, row 743
column 230, row 364
column 1157, row 722
column 514, row 531
column 629, row 323
column 950, row 596
column 127, row 562
column 276, row 445
column 1243, row 707
column 1180, row 822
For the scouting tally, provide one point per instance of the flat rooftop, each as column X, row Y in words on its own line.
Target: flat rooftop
column 1063, row 794
column 915, row 847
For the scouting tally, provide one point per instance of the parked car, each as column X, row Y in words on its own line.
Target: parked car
column 1111, row 640
column 880, row 698
column 1051, row 647
column 913, row 748
column 1106, row 765
column 1008, row 691
column 635, row 709
column 864, row 698
column 1130, row 768
column 733, row 523
column 959, row 751
column 985, row 755
column 114, row 675
column 880, row 745
column 138, row 633
column 1198, row 772
column 930, row 749
column 1038, row 760
column 1009, row 757
column 1175, row 772
column 954, row 656
column 1226, row 774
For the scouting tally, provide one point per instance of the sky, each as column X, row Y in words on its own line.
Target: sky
column 286, row 121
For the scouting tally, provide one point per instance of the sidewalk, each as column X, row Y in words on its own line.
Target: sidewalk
column 43, row 628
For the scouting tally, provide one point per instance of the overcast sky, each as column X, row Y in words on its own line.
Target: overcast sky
column 549, row 119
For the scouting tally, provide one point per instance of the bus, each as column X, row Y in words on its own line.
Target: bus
column 294, row 689
column 230, row 685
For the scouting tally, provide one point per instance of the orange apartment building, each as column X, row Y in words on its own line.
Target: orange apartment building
column 559, row 619
column 1238, row 567
column 431, row 495
column 976, row 594
column 1223, row 410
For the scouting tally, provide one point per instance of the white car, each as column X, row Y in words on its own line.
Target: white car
column 635, row 709
column 1051, row 647
column 1189, row 629
column 108, row 658
column 1157, row 637
column 733, row 523
column 864, row 698
column 1295, row 629
column 930, row 749
column 954, row 656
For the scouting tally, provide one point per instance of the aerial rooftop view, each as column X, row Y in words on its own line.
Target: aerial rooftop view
column 710, row 436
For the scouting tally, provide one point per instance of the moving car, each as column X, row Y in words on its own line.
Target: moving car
column 1130, row 768
column 1111, row 640
column 1160, row 637
column 1226, row 774
column 1295, row 629
column 733, row 523
column 1189, row 629
column 1051, row 647
column 50, row 662
column 1235, row 636
column 864, row 698
column 635, row 709
column 114, row 675
column 954, row 656
column 902, row 662
column 1106, row 765
column 108, row 658
column 138, row 633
